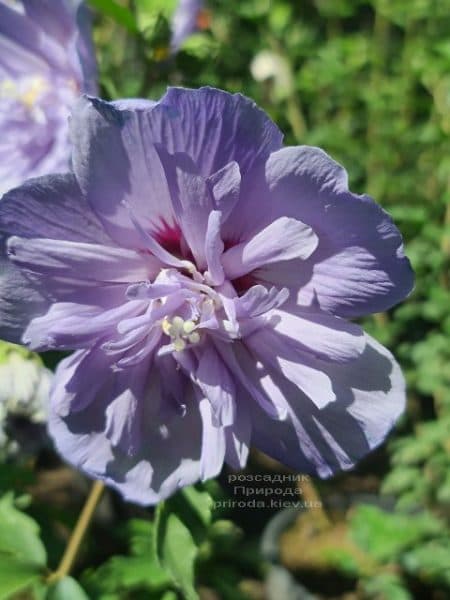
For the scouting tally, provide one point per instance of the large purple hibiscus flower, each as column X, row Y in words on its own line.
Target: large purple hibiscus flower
column 46, row 60
column 204, row 274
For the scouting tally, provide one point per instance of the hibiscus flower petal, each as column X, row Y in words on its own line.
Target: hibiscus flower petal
column 214, row 128
column 50, row 206
column 319, row 334
column 173, row 455
column 358, row 267
column 214, row 380
column 65, row 21
column 78, row 260
column 24, row 32
column 113, row 174
column 370, row 396
column 284, row 239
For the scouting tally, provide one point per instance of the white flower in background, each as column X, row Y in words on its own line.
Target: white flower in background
column 270, row 66
column 24, row 389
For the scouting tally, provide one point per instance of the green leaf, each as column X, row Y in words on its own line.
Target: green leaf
column 386, row 585
column 416, row 214
column 16, row 575
column 430, row 562
column 200, row 45
column 176, row 549
column 22, row 554
column 169, row 595
column 126, row 573
column 120, row 14
column 443, row 493
column 253, row 9
column 141, row 535
column 342, row 560
column 385, row 535
column 400, row 479
column 225, row 534
column 15, row 477
column 141, row 571
column 413, row 499
column 181, row 527
column 147, row 11
column 200, row 501
column 66, row 589
column 19, row 534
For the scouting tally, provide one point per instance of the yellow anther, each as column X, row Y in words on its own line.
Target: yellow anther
column 179, row 345
column 177, row 324
column 166, row 326
column 194, row 338
column 180, row 331
column 188, row 326
column 190, row 267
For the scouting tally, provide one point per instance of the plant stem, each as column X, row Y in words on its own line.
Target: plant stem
column 296, row 117
column 78, row 533
column 294, row 113
column 310, row 494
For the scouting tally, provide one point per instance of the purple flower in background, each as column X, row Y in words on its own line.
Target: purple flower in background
column 46, row 61
column 203, row 274
column 185, row 21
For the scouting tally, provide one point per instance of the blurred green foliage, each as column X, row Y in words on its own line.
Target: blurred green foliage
column 180, row 549
column 136, row 573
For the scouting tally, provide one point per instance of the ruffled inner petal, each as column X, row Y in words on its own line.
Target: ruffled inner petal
column 217, row 385
column 284, row 239
column 358, row 267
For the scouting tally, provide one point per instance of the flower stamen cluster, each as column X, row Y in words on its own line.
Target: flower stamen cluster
column 180, row 331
